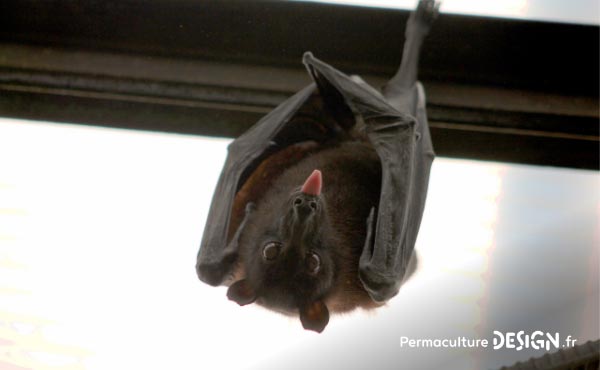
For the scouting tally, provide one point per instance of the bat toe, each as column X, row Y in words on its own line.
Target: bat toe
column 425, row 14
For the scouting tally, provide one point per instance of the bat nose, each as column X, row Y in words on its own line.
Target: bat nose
column 305, row 208
column 305, row 204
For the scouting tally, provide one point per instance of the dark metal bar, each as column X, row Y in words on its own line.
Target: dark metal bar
column 229, row 119
column 497, row 89
column 512, row 53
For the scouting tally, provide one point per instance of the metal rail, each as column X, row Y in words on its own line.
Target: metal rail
column 498, row 89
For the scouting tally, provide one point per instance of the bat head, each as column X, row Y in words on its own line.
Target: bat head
column 288, row 255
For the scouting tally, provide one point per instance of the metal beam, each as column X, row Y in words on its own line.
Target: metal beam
column 497, row 89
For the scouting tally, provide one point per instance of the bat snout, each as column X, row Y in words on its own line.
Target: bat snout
column 305, row 205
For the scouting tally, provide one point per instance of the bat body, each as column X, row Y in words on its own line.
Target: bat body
column 351, row 187
column 318, row 205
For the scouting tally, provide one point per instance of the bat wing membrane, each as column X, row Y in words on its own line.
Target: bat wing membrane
column 397, row 127
column 217, row 254
column 402, row 141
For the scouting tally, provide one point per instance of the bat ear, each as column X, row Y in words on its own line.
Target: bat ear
column 241, row 292
column 314, row 316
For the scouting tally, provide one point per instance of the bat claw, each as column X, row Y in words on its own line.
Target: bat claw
column 427, row 9
column 422, row 18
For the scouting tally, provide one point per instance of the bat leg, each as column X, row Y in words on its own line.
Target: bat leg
column 417, row 28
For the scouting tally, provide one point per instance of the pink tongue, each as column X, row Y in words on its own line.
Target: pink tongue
column 313, row 183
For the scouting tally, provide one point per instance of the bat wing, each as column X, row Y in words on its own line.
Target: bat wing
column 217, row 254
column 403, row 143
column 395, row 124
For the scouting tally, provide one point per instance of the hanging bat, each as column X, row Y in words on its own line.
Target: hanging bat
column 318, row 205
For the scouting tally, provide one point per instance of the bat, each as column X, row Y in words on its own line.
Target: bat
column 318, row 205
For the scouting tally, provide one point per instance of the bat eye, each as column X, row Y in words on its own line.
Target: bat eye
column 271, row 251
column 313, row 263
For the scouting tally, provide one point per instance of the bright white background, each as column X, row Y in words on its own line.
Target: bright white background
column 572, row 11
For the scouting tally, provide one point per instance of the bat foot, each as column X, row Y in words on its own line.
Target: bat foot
column 422, row 18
